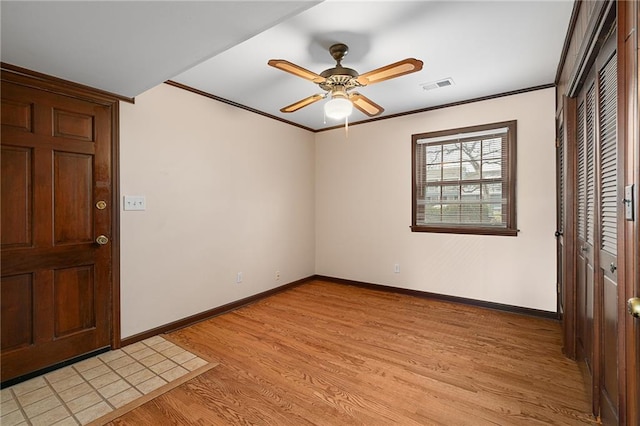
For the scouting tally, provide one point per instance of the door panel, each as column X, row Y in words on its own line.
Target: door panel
column 581, row 276
column 589, row 219
column 72, row 189
column 567, row 241
column 609, row 341
column 17, row 114
column 16, row 197
column 17, row 311
column 56, row 281
column 72, row 125
column 608, row 229
column 561, row 196
column 585, row 206
column 73, row 288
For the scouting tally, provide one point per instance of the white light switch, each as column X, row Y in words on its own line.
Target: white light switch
column 628, row 202
column 134, row 202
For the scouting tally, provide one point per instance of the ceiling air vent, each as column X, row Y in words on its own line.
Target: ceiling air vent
column 437, row 84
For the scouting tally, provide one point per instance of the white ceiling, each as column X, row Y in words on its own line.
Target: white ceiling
column 222, row 47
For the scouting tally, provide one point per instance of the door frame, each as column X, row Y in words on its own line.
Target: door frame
column 629, row 146
column 28, row 78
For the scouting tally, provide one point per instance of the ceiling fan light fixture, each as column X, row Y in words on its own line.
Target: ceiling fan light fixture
column 338, row 108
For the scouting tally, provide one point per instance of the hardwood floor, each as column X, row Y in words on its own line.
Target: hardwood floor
column 331, row 354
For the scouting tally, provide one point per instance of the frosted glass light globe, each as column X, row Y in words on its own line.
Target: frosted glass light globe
column 338, row 108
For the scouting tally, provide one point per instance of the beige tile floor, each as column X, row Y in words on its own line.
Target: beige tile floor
column 82, row 392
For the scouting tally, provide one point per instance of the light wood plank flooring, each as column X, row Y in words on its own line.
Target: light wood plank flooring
column 330, row 354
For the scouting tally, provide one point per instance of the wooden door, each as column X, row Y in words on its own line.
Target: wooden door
column 561, row 162
column 566, row 244
column 585, row 204
column 56, row 280
column 609, row 210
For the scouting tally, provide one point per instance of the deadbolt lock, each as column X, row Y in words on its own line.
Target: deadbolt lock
column 101, row 205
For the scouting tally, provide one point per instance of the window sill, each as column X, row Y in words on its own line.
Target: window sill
column 505, row 232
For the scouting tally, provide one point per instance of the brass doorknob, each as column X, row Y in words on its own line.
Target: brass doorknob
column 633, row 306
column 102, row 240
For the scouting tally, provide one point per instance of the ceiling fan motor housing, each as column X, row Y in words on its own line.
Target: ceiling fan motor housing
column 339, row 75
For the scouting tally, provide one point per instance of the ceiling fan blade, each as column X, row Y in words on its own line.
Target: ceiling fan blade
column 294, row 69
column 366, row 105
column 406, row 66
column 302, row 103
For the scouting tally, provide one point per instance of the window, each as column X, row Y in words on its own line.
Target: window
column 464, row 180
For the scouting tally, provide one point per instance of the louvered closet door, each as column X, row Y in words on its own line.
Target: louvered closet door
column 561, row 197
column 608, row 232
column 585, row 221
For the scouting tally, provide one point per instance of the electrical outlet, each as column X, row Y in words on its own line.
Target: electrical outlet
column 396, row 268
column 239, row 278
column 277, row 275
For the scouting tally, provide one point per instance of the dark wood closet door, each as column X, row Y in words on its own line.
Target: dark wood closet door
column 561, row 195
column 609, row 209
column 56, row 280
column 597, row 212
column 585, row 273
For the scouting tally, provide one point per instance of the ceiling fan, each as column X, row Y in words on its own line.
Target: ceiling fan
column 339, row 82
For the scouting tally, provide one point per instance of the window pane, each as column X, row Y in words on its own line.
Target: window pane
column 492, row 214
column 470, row 192
column 434, row 154
column 451, row 171
column 470, row 209
column 471, row 150
column 434, row 173
column 432, row 193
column 451, row 192
column 492, row 148
column 451, row 213
column 432, row 213
column 492, row 192
column 470, row 170
column 470, row 213
column 491, row 169
column 450, row 152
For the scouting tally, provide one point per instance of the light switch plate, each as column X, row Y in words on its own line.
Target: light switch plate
column 628, row 202
column 135, row 202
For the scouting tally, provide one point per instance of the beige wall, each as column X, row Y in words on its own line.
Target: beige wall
column 230, row 191
column 363, row 209
column 227, row 191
